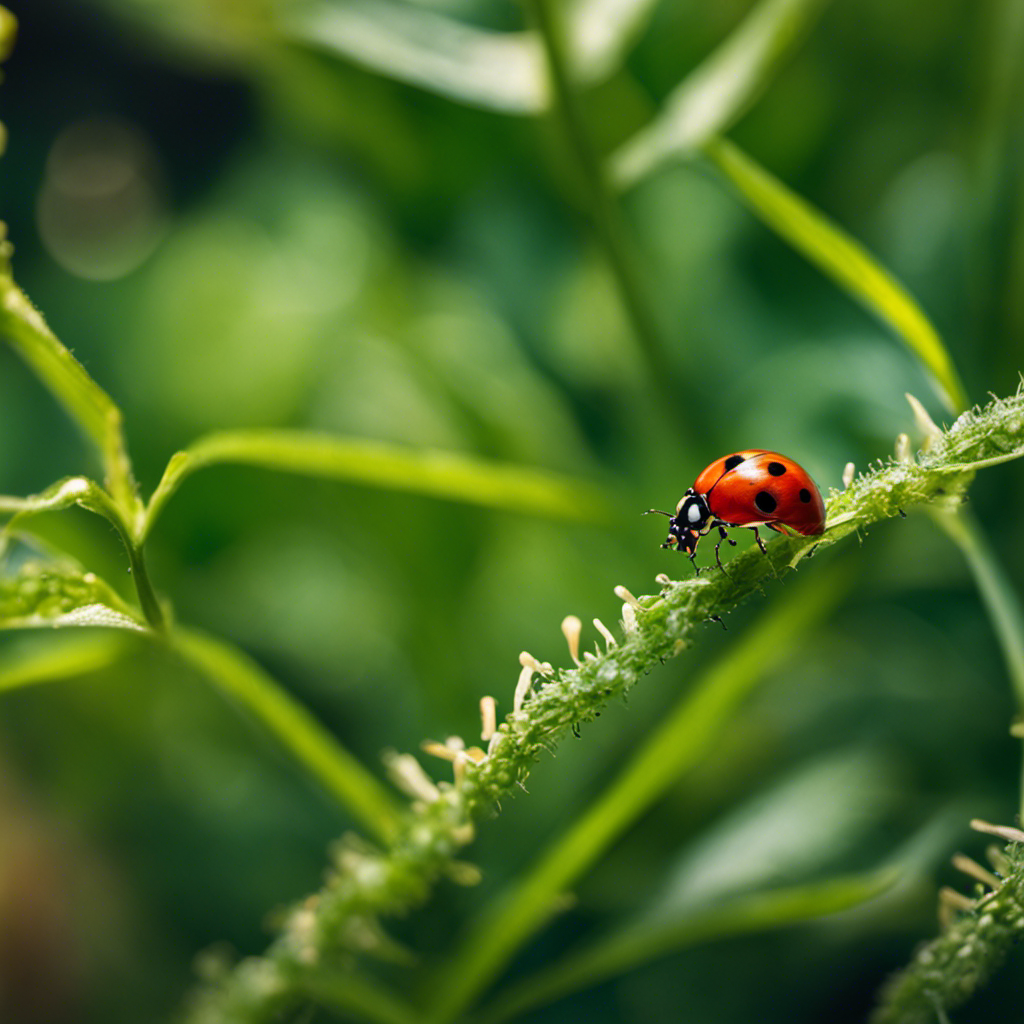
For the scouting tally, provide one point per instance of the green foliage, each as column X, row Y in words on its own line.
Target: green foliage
column 381, row 293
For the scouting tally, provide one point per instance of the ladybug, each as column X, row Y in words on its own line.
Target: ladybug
column 748, row 489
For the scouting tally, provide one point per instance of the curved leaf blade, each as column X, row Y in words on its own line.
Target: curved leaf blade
column 844, row 260
column 719, row 90
column 498, row 71
column 440, row 474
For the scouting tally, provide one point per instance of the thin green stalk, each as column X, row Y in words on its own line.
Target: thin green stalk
column 997, row 594
column 92, row 409
column 601, row 203
column 681, row 742
column 299, row 732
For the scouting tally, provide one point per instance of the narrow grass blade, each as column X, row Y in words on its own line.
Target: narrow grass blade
column 742, row 915
column 377, row 464
column 843, row 259
column 720, row 89
column 497, row 71
column 997, row 592
column 241, row 679
column 84, row 400
column 688, row 733
column 63, row 661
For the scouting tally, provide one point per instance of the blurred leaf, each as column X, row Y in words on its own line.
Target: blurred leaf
column 797, row 826
column 422, row 471
column 8, row 32
column 717, row 92
column 65, row 661
column 636, row 945
column 244, row 682
column 503, row 71
column 843, row 259
column 601, row 33
column 41, row 596
column 499, row 71
column 687, row 734
column 85, row 401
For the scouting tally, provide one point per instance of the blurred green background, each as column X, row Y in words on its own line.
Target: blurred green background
column 232, row 229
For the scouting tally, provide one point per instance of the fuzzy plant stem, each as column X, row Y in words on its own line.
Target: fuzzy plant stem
column 371, row 883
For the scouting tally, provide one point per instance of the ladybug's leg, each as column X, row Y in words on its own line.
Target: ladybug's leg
column 761, row 544
column 723, row 535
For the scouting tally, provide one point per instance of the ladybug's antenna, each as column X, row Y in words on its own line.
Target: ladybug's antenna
column 658, row 510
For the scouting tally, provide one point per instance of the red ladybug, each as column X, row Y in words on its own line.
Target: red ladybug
column 749, row 489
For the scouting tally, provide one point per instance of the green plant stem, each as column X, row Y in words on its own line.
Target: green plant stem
column 677, row 746
column 241, row 679
column 92, row 409
column 601, row 203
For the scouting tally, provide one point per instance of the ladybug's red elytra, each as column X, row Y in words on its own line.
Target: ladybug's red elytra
column 746, row 489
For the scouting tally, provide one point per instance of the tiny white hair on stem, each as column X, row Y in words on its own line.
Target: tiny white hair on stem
column 488, row 717
column 530, row 666
column 571, row 629
column 605, row 632
column 408, row 774
column 624, row 595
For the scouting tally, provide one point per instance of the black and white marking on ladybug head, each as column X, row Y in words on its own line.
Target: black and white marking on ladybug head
column 692, row 512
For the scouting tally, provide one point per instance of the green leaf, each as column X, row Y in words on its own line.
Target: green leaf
column 54, row 663
column 685, row 737
column 843, row 259
column 502, row 71
column 72, row 490
column 498, row 71
column 719, row 90
column 41, row 596
column 786, row 833
column 739, row 916
column 420, row 471
column 84, row 400
column 244, row 682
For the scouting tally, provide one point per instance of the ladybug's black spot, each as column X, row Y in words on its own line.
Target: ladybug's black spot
column 776, row 468
column 733, row 461
column 765, row 503
column 805, row 495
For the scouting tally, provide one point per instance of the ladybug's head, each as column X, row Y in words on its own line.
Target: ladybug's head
column 692, row 513
column 691, row 521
